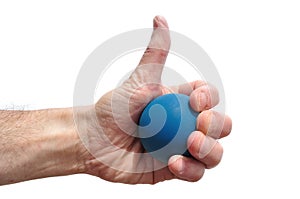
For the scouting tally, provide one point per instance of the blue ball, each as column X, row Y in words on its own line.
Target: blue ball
column 165, row 125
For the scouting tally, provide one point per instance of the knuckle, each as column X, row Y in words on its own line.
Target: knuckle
column 198, row 175
column 217, row 156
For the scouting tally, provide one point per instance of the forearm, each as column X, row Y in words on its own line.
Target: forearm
column 37, row 144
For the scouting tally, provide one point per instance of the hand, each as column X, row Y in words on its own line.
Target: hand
column 115, row 152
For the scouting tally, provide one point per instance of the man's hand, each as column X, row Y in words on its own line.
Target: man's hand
column 102, row 140
column 115, row 151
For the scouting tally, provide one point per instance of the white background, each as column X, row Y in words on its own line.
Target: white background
column 254, row 44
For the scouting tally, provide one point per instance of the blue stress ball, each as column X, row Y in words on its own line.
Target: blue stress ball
column 165, row 125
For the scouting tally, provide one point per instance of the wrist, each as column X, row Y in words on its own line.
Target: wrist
column 60, row 146
column 38, row 144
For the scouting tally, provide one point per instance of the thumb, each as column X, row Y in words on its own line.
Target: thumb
column 154, row 57
column 159, row 44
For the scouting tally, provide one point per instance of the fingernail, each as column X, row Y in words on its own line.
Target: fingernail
column 175, row 159
column 180, row 166
column 202, row 100
column 207, row 145
column 160, row 21
column 215, row 128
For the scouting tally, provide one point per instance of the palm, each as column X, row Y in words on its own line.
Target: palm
column 120, row 132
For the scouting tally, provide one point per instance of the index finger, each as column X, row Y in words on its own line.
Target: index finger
column 203, row 96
